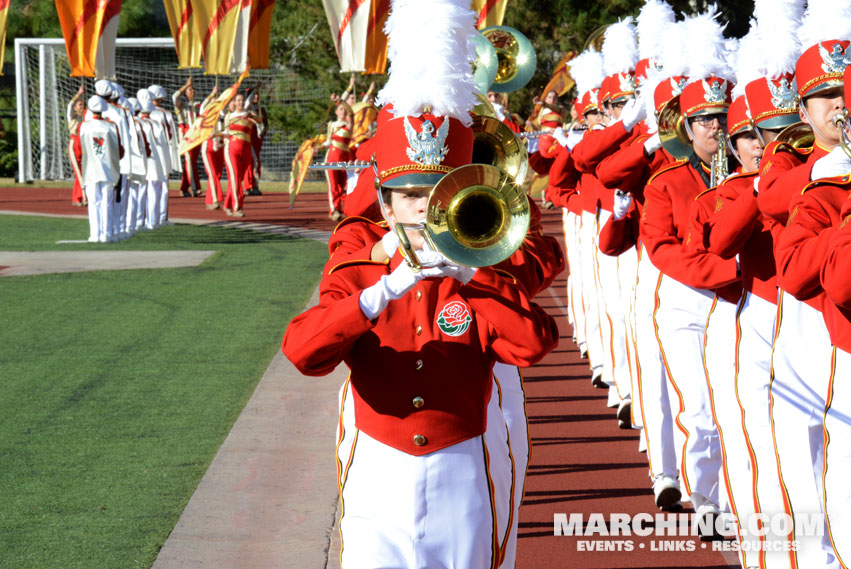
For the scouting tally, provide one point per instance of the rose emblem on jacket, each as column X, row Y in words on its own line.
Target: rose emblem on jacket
column 98, row 145
column 454, row 319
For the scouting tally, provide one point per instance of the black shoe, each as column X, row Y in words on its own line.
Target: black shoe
column 625, row 414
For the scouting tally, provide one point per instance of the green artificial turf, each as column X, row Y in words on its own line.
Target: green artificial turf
column 118, row 387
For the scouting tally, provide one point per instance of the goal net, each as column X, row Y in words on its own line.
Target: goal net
column 44, row 87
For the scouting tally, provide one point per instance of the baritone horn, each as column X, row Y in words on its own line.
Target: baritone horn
column 476, row 216
column 798, row 135
column 516, row 59
column 495, row 144
column 672, row 130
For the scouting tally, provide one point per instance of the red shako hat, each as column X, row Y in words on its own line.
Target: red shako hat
column 667, row 89
column 588, row 102
column 773, row 102
column 738, row 116
column 705, row 97
column 821, row 66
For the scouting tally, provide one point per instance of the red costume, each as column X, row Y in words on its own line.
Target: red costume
column 237, row 158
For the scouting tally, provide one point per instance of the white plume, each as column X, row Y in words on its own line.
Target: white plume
column 778, row 22
column 673, row 57
column 648, row 88
column 587, row 71
column 825, row 20
column 653, row 23
column 431, row 53
column 748, row 60
column 705, row 46
column 620, row 47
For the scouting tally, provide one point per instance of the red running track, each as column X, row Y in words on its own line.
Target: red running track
column 582, row 463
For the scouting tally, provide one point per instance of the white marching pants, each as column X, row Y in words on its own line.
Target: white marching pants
column 509, row 393
column 628, row 279
column 837, row 456
column 800, row 376
column 720, row 364
column 133, row 196
column 162, row 192
column 680, row 318
column 587, row 258
column 152, row 216
column 755, row 334
column 653, row 388
column 141, row 204
column 100, row 196
column 119, row 212
column 447, row 509
column 612, row 318
column 572, row 224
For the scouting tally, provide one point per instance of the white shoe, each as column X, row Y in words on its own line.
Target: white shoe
column 705, row 519
column 666, row 489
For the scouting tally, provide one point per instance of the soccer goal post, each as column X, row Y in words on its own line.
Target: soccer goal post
column 44, row 87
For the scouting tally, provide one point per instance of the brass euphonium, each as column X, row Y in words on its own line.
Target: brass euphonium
column 672, row 130
column 798, row 135
column 497, row 145
column 477, row 215
column 516, row 59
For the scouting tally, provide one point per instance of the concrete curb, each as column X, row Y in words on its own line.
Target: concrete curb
column 269, row 498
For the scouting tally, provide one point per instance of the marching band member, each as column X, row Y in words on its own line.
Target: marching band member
column 186, row 111
column 338, row 143
column 413, row 494
column 239, row 125
column 803, row 366
column 139, row 169
column 157, row 162
column 75, row 116
column 102, row 153
column 164, row 116
column 253, row 105
column 685, row 290
column 213, row 153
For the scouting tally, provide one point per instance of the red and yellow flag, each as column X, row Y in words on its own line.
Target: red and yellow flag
column 375, row 58
column 4, row 15
column 300, row 163
column 491, row 12
column 223, row 28
column 82, row 22
column 561, row 81
column 184, row 30
column 105, row 58
column 365, row 115
column 205, row 125
column 259, row 30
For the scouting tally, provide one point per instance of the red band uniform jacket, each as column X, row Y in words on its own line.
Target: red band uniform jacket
column 421, row 372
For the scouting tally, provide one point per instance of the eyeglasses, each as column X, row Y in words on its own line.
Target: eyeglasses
column 619, row 105
column 707, row 120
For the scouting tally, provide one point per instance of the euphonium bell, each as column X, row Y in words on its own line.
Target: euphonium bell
column 516, row 59
column 798, row 135
column 476, row 216
column 672, row 131
column 497, row 145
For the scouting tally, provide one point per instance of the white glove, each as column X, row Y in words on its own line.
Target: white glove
column 574, row 138
column 756, row 184
column 373, row 300
column 836, row 163
column 652, row 144
column 559, row 135
column 622, row 204
column 634, row 111
column 390, row 242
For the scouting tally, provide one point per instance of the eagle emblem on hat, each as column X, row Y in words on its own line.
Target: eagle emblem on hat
column 677, row 86
column 783, row 96
column 835, row 61
column 627, row 82
column 593, row 96
column 423, row 148
column 715, row 92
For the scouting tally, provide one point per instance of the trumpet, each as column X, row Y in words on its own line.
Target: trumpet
column 348, row 166
column 533, row 134
column 476, row 216
column 841, row 122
